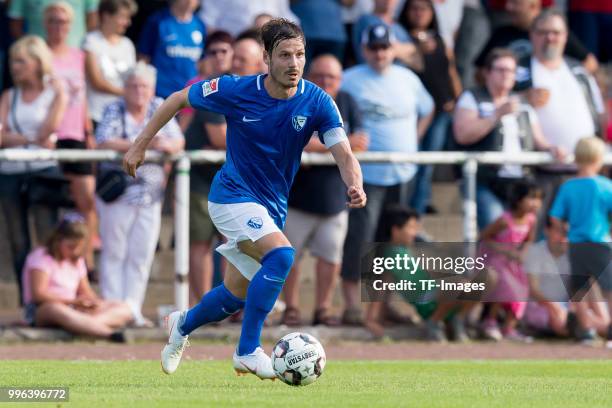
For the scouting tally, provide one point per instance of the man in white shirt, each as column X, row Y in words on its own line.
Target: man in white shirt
column 563, row 107
column 565, row 96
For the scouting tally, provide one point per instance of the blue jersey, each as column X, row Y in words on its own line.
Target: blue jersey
column 174, row 48
column 265, row 137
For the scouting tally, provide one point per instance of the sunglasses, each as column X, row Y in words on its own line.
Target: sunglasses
column 378, row 47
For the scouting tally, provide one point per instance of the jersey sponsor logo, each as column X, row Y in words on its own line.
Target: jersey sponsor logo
column 181, row 51
column 298, row 122
column 245, row 119
column 255, row 223
column 210, row 87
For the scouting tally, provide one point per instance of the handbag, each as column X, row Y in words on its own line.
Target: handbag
column 111, row 184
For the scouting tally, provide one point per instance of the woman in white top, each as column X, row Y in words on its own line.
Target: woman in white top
column 30, row 113
column 108, row 55
column 490, row 118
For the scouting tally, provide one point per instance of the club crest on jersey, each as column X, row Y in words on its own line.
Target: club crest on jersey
column 298, row 122
column 255, row 223
column 210, row 87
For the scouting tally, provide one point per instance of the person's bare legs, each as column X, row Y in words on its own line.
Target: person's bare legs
column 373, row 319
column 235, row 282
column 327, row 278
column 200, row 270
column 443, row 309
column 557, row 316
column 599, row 317
column 82, row 189
column 114, row 314
column 74, row 321
column 350, row 290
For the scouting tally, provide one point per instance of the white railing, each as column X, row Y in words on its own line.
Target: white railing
column 468, row 160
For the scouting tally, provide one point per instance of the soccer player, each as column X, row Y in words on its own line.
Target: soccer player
column 270, row 119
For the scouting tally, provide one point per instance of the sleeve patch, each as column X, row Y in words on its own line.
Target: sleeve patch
column 210, row 87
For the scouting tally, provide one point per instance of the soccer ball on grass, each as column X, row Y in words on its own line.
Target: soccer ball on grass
column 298, row 359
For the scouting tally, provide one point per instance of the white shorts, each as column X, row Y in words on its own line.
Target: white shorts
column 240, row 222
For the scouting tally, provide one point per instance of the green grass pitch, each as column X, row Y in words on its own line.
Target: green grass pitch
column 344, row 384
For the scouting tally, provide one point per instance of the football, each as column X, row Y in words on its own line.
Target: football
column 298, row 359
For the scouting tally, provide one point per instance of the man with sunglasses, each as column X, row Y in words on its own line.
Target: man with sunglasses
column 397, row 111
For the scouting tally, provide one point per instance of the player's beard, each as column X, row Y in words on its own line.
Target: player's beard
column 283, row 81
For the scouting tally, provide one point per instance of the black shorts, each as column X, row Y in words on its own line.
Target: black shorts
column 75, row 168
column 590, row 260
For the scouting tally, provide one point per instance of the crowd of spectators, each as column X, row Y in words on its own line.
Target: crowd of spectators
column 406, row 75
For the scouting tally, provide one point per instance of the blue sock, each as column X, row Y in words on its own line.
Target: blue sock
column 215, row 306
column 261, row 295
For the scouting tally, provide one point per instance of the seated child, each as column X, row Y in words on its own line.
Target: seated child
column 56, row 290
column 400, row 226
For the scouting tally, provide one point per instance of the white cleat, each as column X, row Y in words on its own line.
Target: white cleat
column 173, row 351
column 258, row 363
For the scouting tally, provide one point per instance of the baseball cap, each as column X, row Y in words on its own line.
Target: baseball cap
column 377, row 35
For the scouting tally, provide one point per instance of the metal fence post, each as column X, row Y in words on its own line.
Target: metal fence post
column 470, row 223
column 181, row 231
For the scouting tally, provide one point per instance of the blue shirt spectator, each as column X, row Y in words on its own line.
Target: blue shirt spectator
column 391, row 104
column 322, row 25
column 174, row 46
column 585, row 203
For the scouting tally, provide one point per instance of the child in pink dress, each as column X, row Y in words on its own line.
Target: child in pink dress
column 505, row 242
column 56, row 290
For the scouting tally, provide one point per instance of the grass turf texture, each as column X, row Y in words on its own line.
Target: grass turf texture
column 344, row 384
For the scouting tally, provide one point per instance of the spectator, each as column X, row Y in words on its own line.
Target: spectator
column 320, row 225
column 548, row 269
column 129, row 225
column 492, row 118
column 261, row 20
column 506, row 241
column 172, row 40
column 592, row 22
column 108, row 55
column 399, row 229
column 585, row 203
column 57, row 292
column 27, row 17
column 74, row 131
column 472, row 36
column 30, row 112
column 218, row 61
column 448, row 15
column 322, row 25
column 397, row 111
column 235, row 16
column 515, row 36
column 350, row 15
column 440, row 78
column 206, row 130
column 248, row 58
column 146, row 8
column 384, row 10
column 565, row 97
